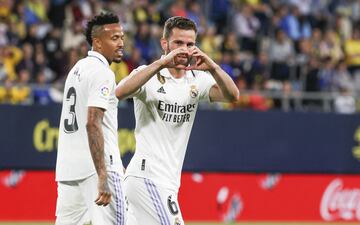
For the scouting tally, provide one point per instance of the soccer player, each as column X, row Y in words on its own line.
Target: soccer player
column 89, row 170
column 166, row 95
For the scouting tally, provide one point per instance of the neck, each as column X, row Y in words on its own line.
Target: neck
column 177, row 73
column 98, row 51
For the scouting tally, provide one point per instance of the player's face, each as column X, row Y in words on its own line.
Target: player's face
column 112, row 42
column 180, row 38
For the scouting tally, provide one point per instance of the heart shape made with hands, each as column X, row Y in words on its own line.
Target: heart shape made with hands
column 185, row 60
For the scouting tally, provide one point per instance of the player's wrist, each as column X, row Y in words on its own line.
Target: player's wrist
column 160, row 63
column 214, row 67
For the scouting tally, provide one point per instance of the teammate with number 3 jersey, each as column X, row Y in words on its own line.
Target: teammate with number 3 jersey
column 166, row 94
column 89, row 170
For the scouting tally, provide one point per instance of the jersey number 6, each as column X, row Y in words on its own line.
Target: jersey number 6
column 172, row 206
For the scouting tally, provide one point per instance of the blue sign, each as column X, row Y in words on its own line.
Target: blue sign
column 223, row 141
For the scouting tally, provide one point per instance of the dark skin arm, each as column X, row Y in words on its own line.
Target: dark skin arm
column 96, row 143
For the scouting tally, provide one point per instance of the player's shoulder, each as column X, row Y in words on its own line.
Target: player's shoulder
column 94, row 67
column 200, row 74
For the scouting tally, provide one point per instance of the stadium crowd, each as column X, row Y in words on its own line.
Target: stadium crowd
column 268, row 47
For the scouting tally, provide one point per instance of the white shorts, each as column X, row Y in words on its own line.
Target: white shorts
column 76, row 202
column 150, row 204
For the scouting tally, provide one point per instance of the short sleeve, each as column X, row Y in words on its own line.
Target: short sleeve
column 206, row 81
column 101, row 85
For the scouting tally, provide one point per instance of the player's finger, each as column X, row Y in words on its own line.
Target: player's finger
column 199, row 61
column 100, row 200
column 193, row 50
column 104, row 198
column 107, row 200
column 97, row 198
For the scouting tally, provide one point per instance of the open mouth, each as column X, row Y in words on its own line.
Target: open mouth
column 119, row 52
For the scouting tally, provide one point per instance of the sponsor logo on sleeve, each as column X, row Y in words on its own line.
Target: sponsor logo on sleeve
column 105, row 91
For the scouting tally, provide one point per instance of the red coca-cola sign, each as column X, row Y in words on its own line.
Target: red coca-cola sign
column 339, row 202
column 227, row 197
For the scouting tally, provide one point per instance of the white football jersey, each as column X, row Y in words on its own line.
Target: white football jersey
column 165, row 109
column 89, row 83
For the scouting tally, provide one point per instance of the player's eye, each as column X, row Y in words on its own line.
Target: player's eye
column 179, row 43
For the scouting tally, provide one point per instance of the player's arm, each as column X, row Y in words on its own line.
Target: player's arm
column 96, row 144
column 225, row 89
column 130, row 84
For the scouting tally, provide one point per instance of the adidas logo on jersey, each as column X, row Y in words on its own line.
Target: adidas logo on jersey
column 161, row 90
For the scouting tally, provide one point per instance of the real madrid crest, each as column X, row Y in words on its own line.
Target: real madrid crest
column 193, row 91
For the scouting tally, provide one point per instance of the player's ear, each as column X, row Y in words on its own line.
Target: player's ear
column 96, row 43
column 163, row 43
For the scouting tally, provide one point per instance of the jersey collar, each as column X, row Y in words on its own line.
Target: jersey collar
column 98, row 56
column 166, row 73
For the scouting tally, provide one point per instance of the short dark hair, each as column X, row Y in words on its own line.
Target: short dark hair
column 178, row 22
column 99, row 20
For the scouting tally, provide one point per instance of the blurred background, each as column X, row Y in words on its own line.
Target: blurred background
column 288, row 150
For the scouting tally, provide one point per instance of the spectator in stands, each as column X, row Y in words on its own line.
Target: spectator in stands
column 258, row 71
column 330, row 47
column 225, row 64
column 352, row 51
column 312, row 76
column 41, row 89
column 10, row 57
column 281, row 55
column 246, row 26
column 3, row 94
column 194, row 13
column 27, row 62
column 315, row 41
column 58, row 26
column 20, row 92
column 295, row 26
column 142, row 41
column 178, row 8
column 343, row 26
column 73, row 36
column 342, row 80
column 345, row 103
column 209, row 43
column 326, row 75
column 134, row 60
column 230, row 43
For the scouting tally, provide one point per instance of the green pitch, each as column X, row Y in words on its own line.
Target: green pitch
column 244, row 223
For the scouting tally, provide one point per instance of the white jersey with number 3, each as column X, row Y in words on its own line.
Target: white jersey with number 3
column 165, row 109
column 89, row 83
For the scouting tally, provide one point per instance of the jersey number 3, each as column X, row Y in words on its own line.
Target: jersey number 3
column 70, row 124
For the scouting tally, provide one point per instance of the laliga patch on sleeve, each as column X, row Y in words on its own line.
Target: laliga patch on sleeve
column 105, row 91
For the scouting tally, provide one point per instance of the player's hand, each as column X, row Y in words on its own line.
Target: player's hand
column 177, row 58
column 199, row 60
column 104, row 196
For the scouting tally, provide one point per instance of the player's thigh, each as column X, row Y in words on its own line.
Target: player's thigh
column 71, row 208
column 150, row 204
column 114, row 213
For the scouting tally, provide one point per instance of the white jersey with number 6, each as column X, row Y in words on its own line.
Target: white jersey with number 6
column 165, row 109
column 89, row 83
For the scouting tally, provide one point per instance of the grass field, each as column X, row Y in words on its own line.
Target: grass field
column 243, row 223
